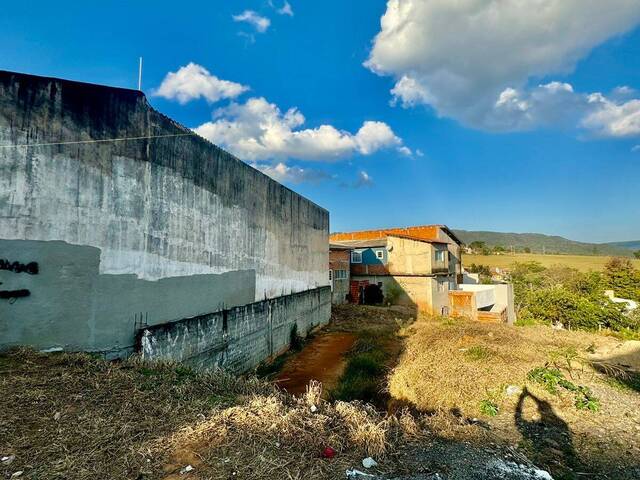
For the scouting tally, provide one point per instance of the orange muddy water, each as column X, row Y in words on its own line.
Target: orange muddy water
column 322, row 359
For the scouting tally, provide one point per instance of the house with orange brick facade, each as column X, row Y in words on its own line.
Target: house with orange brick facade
column 416, row 266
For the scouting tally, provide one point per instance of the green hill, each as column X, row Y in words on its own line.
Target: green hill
column 634, row 245
column 539, row 243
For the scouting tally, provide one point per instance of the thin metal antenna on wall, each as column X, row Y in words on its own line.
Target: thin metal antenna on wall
column 140, row 75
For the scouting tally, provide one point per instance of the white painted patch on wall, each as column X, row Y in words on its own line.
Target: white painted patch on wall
column 149, row 221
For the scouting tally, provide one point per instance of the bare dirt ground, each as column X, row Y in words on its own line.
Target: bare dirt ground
column 322, row 360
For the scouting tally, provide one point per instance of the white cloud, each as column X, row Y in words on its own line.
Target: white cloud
column 258, row 130
column 193, row 81
column 364, row 180
column 554, row 103
column 610, row 119
column 260, row 23
column 284, row 10
column 464, row 57
column 286, row 174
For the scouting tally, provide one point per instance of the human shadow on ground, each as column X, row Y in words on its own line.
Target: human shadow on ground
column 549, row 438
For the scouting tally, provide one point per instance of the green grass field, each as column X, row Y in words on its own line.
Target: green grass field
column 583, row 263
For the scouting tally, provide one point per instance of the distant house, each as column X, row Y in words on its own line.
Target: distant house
column 414, row 266
column 339, row 272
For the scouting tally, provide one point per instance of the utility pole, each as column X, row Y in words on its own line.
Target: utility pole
column 140, row 75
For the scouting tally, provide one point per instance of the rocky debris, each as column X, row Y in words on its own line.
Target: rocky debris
column 369, row 462
column 513, row 390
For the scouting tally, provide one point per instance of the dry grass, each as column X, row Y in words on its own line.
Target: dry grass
column 73, row 416
column 460, row 367
column 455, row 363
column 583, row 263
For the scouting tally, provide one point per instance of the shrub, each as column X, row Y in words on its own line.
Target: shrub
column 489, row 408
column 478, row 352
column 578, row 304
column 623, row 278
column 552, row 380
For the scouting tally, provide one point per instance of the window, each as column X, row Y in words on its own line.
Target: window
column 340, row 274
column 379, row 254
column 440, row 255
column 356, row 257
column 442, row 286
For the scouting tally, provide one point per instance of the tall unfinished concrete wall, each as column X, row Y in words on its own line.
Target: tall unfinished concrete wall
column 155, row 228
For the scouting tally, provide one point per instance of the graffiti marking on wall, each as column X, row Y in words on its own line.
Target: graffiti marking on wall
column 17, row 267
column 10, row 294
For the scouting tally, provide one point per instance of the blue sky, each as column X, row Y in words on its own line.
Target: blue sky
column 512, row 120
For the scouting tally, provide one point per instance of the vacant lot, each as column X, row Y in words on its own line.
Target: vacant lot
column 567, row 399
column 72, row 416
column 583, row 263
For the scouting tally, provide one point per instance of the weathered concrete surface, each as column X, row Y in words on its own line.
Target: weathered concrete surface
column 240, row 338
column 74, row 307
column 153, row 209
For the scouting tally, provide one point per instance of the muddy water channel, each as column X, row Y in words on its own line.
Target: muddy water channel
column 322, row 359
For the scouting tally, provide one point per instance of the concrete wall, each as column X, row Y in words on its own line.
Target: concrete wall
column 504, row 296
column 409, row 257
column 168, row 227
column 240, row 338
column 485, row 294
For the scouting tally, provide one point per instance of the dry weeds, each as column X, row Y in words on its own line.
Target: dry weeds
column 74, row 416
column 451, row 365
column 455, row 363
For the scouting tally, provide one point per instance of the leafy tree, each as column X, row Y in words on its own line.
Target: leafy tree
column 565, row 295
column 527, row 250
column 636, row 254
column 480, row 248
column 621, row 277
column 481, row 269
column 560, row 305
column 477, row 245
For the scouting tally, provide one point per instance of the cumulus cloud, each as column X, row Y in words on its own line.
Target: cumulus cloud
column 258, row 22
column 610, row 119
column 193, row 81
column 558, row 104
column 259, row 130
column 291, row 174
column 473, row 59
